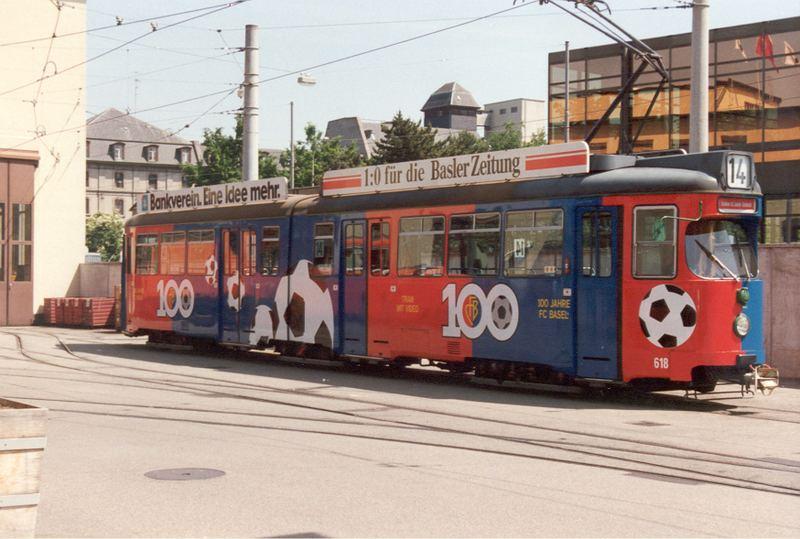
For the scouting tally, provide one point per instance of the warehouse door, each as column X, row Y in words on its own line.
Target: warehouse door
column 16, row 237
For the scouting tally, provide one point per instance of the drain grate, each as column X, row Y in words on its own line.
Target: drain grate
column 184, row 474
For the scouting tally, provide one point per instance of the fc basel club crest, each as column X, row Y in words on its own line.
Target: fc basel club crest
column 471, row 311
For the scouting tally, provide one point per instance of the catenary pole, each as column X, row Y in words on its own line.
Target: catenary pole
column 566, row 91
column 698, row 115
column 250, row 126
column 291, row 143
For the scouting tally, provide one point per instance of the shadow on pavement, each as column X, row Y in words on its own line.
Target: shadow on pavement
column 421, row 383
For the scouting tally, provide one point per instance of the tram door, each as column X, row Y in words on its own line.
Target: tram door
column 354, row 289
column 380, row 289
column 230, row 284
column 597, row 293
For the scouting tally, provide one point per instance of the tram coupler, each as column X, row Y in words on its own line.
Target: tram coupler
column 762, row 378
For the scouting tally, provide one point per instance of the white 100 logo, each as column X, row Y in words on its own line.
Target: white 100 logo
column 174, row 298
column 468, row 314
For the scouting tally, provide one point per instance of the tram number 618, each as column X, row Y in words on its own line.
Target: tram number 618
column 661, row 363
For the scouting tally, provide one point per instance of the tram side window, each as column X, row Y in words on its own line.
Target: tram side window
column 232, row 251
column 323, row 249
column 474, row 244
column 173, row 253
column 534, row 243
column 146, row 254
column 421, row 247
column 379, row 249
column 200, row 252
column 270, row 250
column 654, row 241
column 354, row 249
column 249, row 244
column 596, row 255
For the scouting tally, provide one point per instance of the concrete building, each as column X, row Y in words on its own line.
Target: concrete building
column 42, row 153
column 527, row 115
column 451, row 107
column 449, row 110
column 753, row 105
column 126, row 157
column 364, row 134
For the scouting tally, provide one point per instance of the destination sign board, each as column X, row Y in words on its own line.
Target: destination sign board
column 737, row 205
column 518, row 164
column 214, row 196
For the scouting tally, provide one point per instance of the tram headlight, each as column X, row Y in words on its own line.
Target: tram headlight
column 741, row 325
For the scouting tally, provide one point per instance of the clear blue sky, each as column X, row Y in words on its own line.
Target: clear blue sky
column 499, row 58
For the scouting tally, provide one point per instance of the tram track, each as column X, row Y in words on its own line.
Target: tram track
column 585, row 450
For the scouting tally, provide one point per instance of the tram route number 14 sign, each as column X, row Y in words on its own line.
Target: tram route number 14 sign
column 214, row 196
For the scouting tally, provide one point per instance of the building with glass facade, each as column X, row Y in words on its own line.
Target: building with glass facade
column 754, row 105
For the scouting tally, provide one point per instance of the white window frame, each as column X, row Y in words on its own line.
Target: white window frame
column 674, row 220
column 152, row 153
column 506, row 229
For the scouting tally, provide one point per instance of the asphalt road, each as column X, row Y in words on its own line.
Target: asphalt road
column 322, row 452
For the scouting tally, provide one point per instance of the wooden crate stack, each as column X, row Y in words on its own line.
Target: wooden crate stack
column 80, row 312
column 22, row 442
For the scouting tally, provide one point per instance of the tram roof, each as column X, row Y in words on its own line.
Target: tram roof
column 664, row 175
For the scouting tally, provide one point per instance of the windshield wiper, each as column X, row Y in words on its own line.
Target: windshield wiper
column 744, row 260
column 714, row 258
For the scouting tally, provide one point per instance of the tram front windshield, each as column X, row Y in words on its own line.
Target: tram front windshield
column 721, row 249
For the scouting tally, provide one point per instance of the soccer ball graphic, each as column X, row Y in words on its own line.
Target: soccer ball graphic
column 305, row 311
column 235, row 288
column 211, row 270
column 667, row 315
column 502, row 312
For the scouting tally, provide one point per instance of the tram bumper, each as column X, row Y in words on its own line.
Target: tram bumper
column 747, row 372
column 762, row 378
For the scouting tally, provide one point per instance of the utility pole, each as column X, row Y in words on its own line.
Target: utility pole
column 698, row 115
column 291, row 143
column 566, row 91
column 250, row 127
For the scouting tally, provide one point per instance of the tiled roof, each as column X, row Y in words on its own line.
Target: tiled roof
column 112, row 124
column 450, row 94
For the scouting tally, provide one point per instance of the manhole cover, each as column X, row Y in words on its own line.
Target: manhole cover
column 184, row 474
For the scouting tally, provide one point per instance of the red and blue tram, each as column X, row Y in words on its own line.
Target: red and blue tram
column 535, row 265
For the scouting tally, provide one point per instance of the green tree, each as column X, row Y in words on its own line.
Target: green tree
column 104, row 233
column 222, row 158
column 316, row 155
column 465, row 142
column 538, row 139
column 405, row 140
column 507, row 139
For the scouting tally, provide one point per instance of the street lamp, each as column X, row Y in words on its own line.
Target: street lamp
column 306, row 79
column 303, row 80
